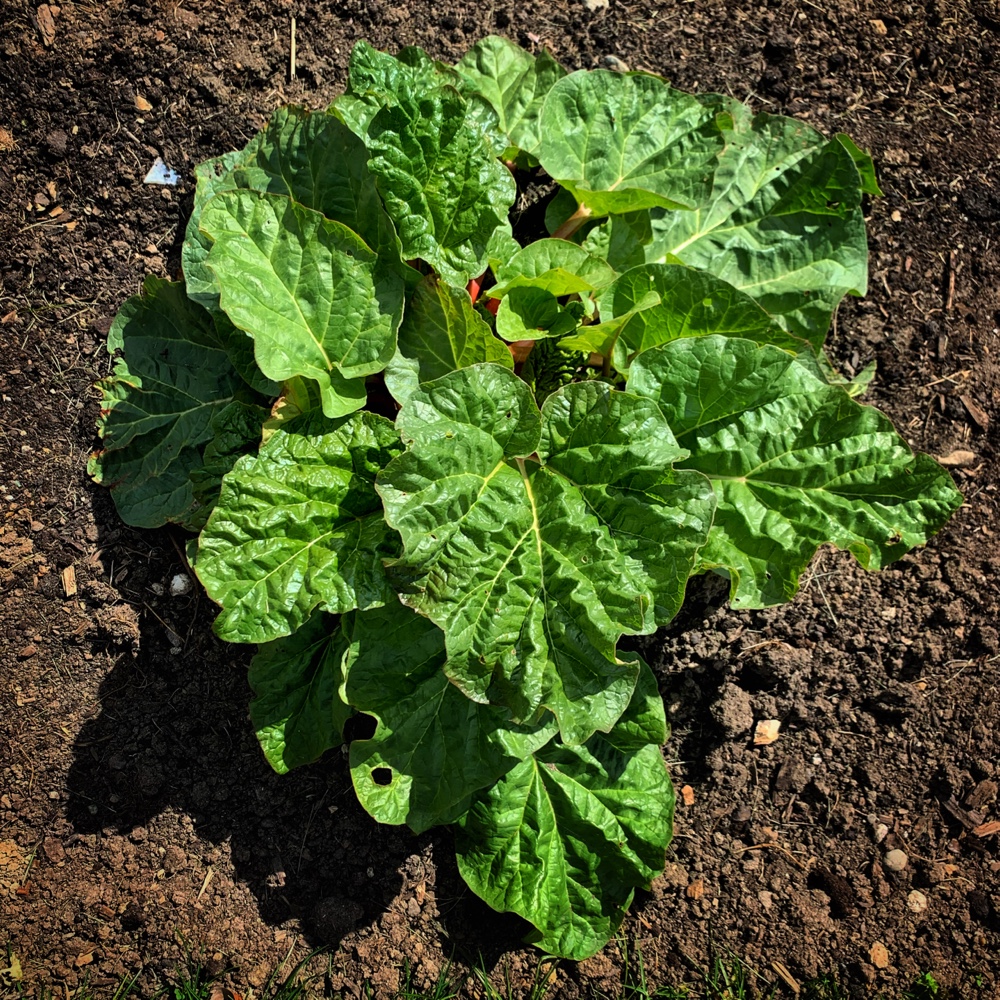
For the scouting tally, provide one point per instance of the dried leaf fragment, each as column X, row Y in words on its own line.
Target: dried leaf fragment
column 958, row 458
column 141, row 104
column 766, row 732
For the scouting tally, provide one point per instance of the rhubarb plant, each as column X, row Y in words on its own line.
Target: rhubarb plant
column 438, row 467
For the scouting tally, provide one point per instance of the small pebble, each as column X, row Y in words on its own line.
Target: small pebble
column 896, row 860
column 881, row 832
column 916, row 902
column 180, row 584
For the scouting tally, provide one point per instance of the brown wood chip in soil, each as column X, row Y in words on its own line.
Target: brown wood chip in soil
column 133, row 769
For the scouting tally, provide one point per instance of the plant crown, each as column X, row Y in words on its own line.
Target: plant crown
column 639, row 396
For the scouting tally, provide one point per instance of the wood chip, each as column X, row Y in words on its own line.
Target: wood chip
column 695, row 890
column 141, row 104
column 766, row 732
column 979, row 415
column 988, row 829
column 958, row 459
column 69, row 581
column 46, row 24
column 687, row 795
column 879, row 955
column 789, row 979
column 879, row 25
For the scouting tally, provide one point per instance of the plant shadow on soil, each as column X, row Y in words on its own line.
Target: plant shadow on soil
column 171, row 744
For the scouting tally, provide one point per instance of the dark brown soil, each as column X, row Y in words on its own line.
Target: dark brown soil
column 136, row 811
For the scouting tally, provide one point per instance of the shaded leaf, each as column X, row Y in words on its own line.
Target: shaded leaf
column 297, row 710
column 167, row 399
column 433, row 747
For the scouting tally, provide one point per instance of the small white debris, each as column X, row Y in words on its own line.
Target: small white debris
column 916, row 902
column 896, row 860
column 593, row 5
column 160, row 173
column 881, row 832
column 180, row 585
column 766, row 732
column 157, row 588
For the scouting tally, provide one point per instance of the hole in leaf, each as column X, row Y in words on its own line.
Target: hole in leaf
column 382, row 776
column 360, row 727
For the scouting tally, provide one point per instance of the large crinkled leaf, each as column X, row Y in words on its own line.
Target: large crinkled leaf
column 441, row 332
column 509, row 557
column 314, row 159
column 514, row 82
column 433, row 747
column 299, row 527
column 627, row 141
column 316, row 300
column 504, row 556
column 297, row 710
column 656, row 303
column 795, row 463
column 172, row 392
column 440, row 180
column 376, row 79
column 617, row 450
column 621, row 240
column 566, row 837
column 783, row 223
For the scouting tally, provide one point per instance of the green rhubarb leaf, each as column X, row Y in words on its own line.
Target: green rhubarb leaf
column 440, row 180
column 621, row 142
column 237, row 431
column 621, row 240
column 532, row 577
column 376, row 79
column 299, row 527
column 316, row 300
column 566, row 836
column 656, row 303
column 297, row 710
column 514, row 82
column 616, row 448
column 311, row 157
column 433, row 747
column 558, row 267
column 169, row 396
column 441, row 333
column 528, row 313
column 211, row 177
column 795, row 464
column 783, row 223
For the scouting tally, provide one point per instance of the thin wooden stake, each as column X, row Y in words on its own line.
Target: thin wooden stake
column 291, row 55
